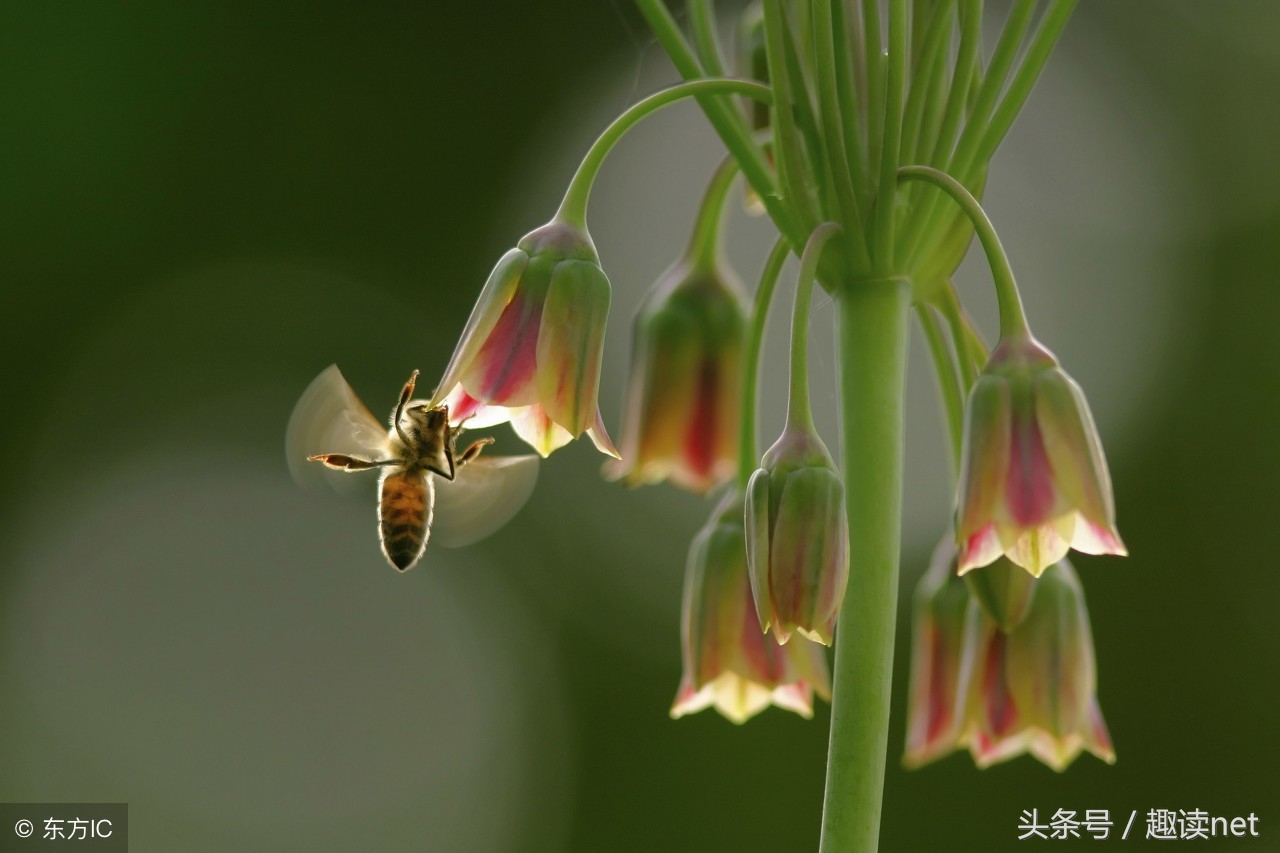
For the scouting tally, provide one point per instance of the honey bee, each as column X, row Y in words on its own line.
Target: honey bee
column 421, row 472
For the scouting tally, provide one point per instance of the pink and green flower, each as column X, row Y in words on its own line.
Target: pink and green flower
column 728, row 663
column 1033, row 483
column 531, row 350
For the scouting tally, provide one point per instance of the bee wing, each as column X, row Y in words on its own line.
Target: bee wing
column 329, row 418
column 483, row 496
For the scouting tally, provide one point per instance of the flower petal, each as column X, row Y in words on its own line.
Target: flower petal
column 570, row 344
column 542, row 434
column 496, row 293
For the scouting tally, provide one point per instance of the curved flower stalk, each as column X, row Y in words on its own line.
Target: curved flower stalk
column 1033, row 480
column 531, row 350
column 797, row 528
column 728, row 663
column 1034, row 689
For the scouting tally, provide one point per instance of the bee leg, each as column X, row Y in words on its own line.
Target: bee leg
column 405, row 394
column 473, row 451
column 342, row 462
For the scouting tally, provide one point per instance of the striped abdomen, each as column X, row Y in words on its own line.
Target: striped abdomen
column 404, row 513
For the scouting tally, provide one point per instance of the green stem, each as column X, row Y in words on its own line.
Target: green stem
column 875, row 80
column 748, row 456
column 886, row 211
column 929, row 219
column 787, row 143
column 933, row 53
column 725, row 118
column 704, row 244
column 829, row 74
column 949, row 381
column 1013, row 319
column 799, row 412
column 702, row 21
column 847, row 89
column 873, row 362
column 970, row 349
column 965, row 157
column 1042, row 43
column 573, row 209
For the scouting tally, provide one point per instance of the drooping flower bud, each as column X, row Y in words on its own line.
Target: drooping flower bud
column 935, row 707
column 1033, row 480
column 797, row 537
column 681, row 415
column 728, row 663
column 531, row 350
column 1034, row 689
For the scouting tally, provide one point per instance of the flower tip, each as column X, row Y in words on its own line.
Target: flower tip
column 818, row 635
column 600, row 438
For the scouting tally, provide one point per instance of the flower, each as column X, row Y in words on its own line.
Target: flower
column 797, row 537
column 681, row 417
column 934, row 711
column 531, row 350
column 1033, row 480
column 1034, row 689
column 728, row 662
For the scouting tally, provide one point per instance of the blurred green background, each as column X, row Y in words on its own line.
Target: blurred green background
column 204, row 204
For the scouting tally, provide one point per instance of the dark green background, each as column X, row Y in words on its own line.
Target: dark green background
column 202, row 204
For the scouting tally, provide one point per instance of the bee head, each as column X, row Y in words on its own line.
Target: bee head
column 428, row 419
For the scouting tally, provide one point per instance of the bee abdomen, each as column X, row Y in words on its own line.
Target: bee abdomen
column 404, row 514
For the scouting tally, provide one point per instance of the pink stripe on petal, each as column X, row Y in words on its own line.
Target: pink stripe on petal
column 980, row 549
column 700, row 430
column 1090, row 538
column 477, row 415
column 1029, row 492
column 503, row 371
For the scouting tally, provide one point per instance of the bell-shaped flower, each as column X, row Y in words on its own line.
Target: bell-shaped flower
column 728, row 663
column 681, row 414
column 531, row 350
column 797, row 536
column 1034, row 689
column 935, row 707
column 1033, row 480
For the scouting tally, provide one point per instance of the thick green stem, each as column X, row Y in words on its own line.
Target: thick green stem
column 573, row 209
column 748, row 455
column 799, row 412
column 873, row 362
column 1013, row 320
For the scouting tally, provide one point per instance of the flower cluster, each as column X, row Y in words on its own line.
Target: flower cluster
column 842, row 111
